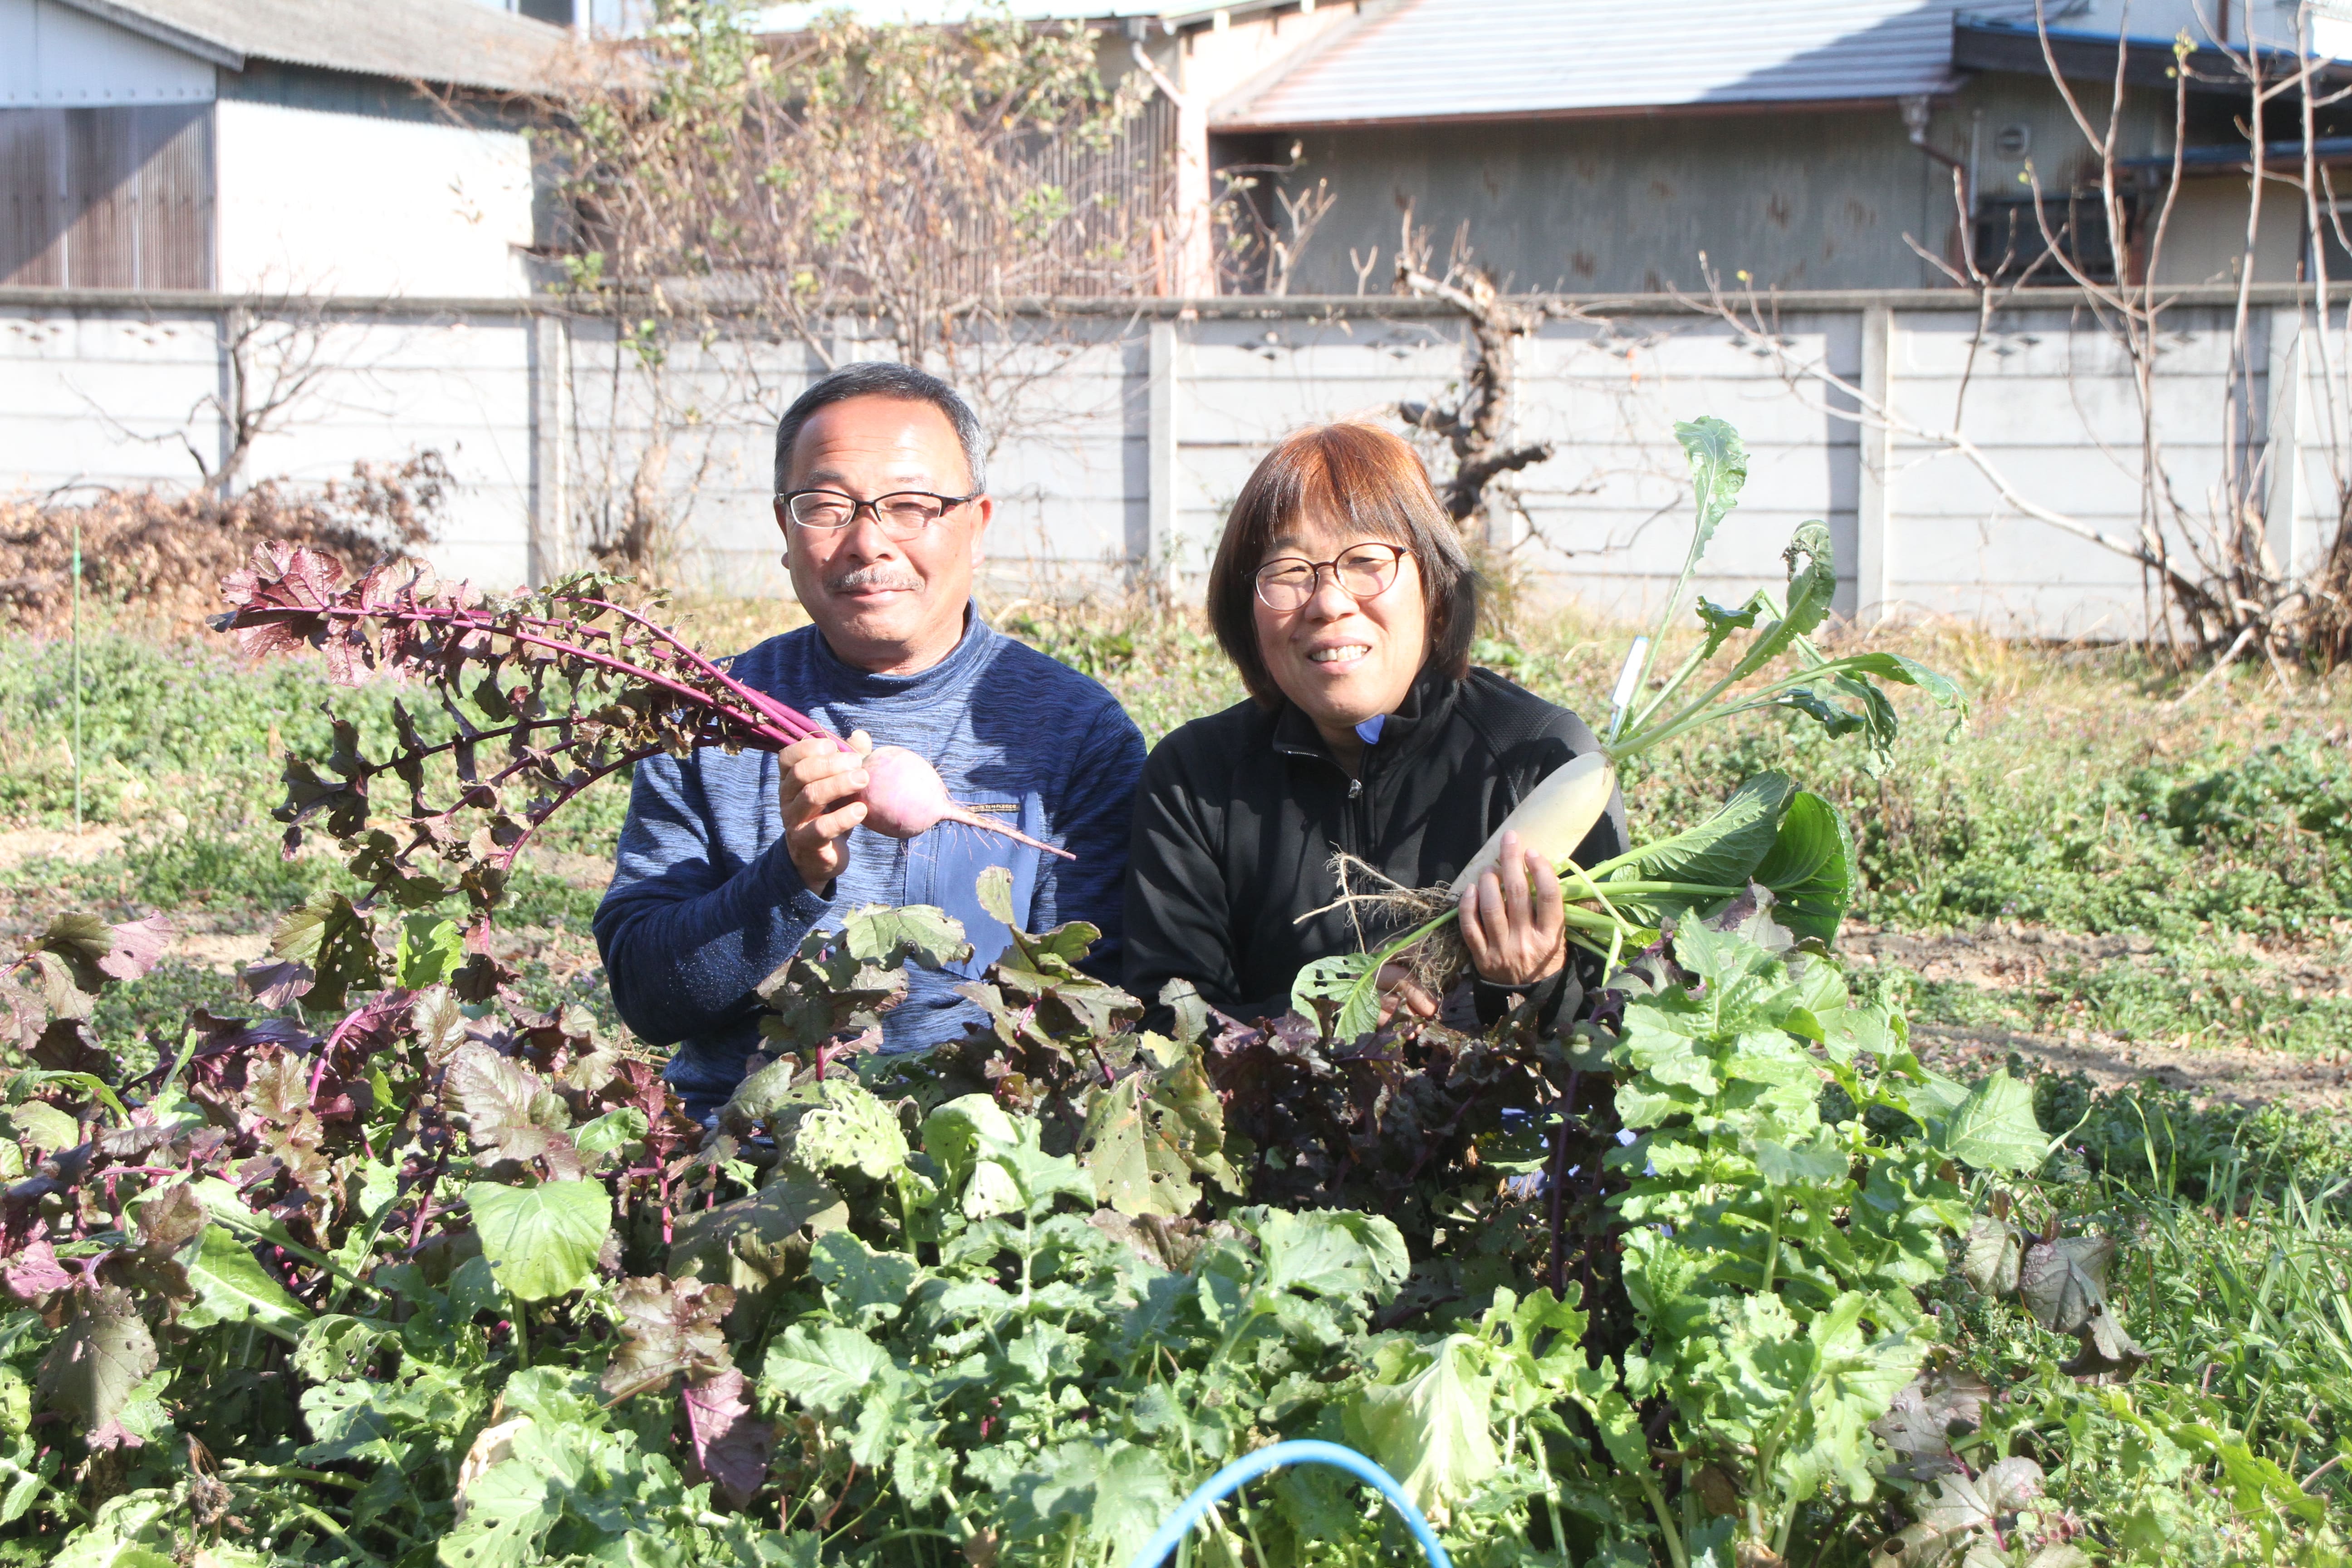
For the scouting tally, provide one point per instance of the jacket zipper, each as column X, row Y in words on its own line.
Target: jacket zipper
column 1359, row 801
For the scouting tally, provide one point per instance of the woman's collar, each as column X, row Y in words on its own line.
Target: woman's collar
column 1404, row 728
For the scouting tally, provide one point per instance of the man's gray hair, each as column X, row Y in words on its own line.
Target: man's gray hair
column 879, row 378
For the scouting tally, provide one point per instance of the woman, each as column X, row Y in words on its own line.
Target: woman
column 1341, row 592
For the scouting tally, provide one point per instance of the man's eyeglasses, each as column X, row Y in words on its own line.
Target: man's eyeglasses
column 902, row 514
column 1362, row 572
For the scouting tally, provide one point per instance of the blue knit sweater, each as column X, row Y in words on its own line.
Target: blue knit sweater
column 705, row 902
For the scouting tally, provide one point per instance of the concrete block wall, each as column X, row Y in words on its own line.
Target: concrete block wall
column 1122, row 437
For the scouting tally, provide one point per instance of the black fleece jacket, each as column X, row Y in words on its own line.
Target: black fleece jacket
column 1239, row 812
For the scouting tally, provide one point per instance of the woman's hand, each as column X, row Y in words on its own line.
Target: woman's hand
column 1399, row 991
column 818, row 786
column 1512, row 919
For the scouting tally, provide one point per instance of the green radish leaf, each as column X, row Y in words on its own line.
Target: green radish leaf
column 1719, row 466
column 1721, row 852
column 1994, row 1128
column 1434, row 1433
column 863, row 1285
column 540, row 1241
column 337, row 943
column 1331, row 1253
column 931, row 937
column 1837, row 720
column 1991, row 1255
column 1134, row 1171
column 825, row 1367
column 847, row 1130
column 614, row 1130
column 510, row 1505
column 431, row 948
column 1721, row 623
column 43, row 1126
column 1148, row 1136
column 1114, row 1493
column 95, row 1366
column 232, row 1286
column 1784, row 1165
column 1811, row 587
column 1941, row 689
column 2064, row 1282
column 958, row 1133
column 1810, row 869
column 1346, row 979
column 995, row 889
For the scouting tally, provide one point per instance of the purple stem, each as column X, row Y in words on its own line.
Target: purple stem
column 469, row 621
column 572, row 792
column 759, row 699
column 425, row 1200
column 788, row 719
column 1558, row 1185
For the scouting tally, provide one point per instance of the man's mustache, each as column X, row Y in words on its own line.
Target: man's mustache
column 870, row 577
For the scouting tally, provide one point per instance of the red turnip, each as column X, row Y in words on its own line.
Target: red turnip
column 904, row 797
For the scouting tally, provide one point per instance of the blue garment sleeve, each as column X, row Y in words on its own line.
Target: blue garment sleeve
column 1093, row 823
column 687, row 931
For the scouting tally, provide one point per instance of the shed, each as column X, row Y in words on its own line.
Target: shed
column 268, row 146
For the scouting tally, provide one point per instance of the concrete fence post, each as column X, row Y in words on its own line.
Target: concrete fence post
column 1873, row 595
column 236, row 325
column 2285, row 500
column 544, row 542
column 1160, row 466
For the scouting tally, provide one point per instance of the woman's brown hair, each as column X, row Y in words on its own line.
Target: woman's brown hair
column 1367, row 484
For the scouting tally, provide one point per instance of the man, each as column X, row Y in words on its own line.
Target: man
column 727, row 862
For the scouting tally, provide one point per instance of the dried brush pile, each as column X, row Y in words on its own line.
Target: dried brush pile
column 162, row 555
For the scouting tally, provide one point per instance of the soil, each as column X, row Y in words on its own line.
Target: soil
column 2009, row 957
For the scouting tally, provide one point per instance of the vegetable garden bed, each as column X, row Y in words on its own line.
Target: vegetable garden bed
column 398, row 1270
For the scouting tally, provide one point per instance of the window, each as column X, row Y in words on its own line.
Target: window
column 2010, row 245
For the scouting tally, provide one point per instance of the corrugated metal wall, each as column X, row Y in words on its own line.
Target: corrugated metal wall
column 106, row 199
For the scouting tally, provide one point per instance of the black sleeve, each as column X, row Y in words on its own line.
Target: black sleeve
column 1558, row 995
column 1178, row 921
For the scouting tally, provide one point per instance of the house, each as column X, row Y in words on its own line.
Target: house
column 1592, row 147
column 270, row 147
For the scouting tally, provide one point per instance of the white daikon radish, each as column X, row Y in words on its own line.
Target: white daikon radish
column 1554, row 818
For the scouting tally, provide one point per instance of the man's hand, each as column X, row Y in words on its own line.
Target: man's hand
column 1512, row 919
column 819, row 786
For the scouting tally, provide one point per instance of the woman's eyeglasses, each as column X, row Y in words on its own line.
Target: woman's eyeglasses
column 1362, row 572
column 902, row 514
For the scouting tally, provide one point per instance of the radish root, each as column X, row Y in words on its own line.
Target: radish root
column 974, row 819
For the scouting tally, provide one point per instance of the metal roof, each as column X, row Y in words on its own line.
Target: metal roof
column 1411, row 60
column 453, row 42
column 797, row 15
